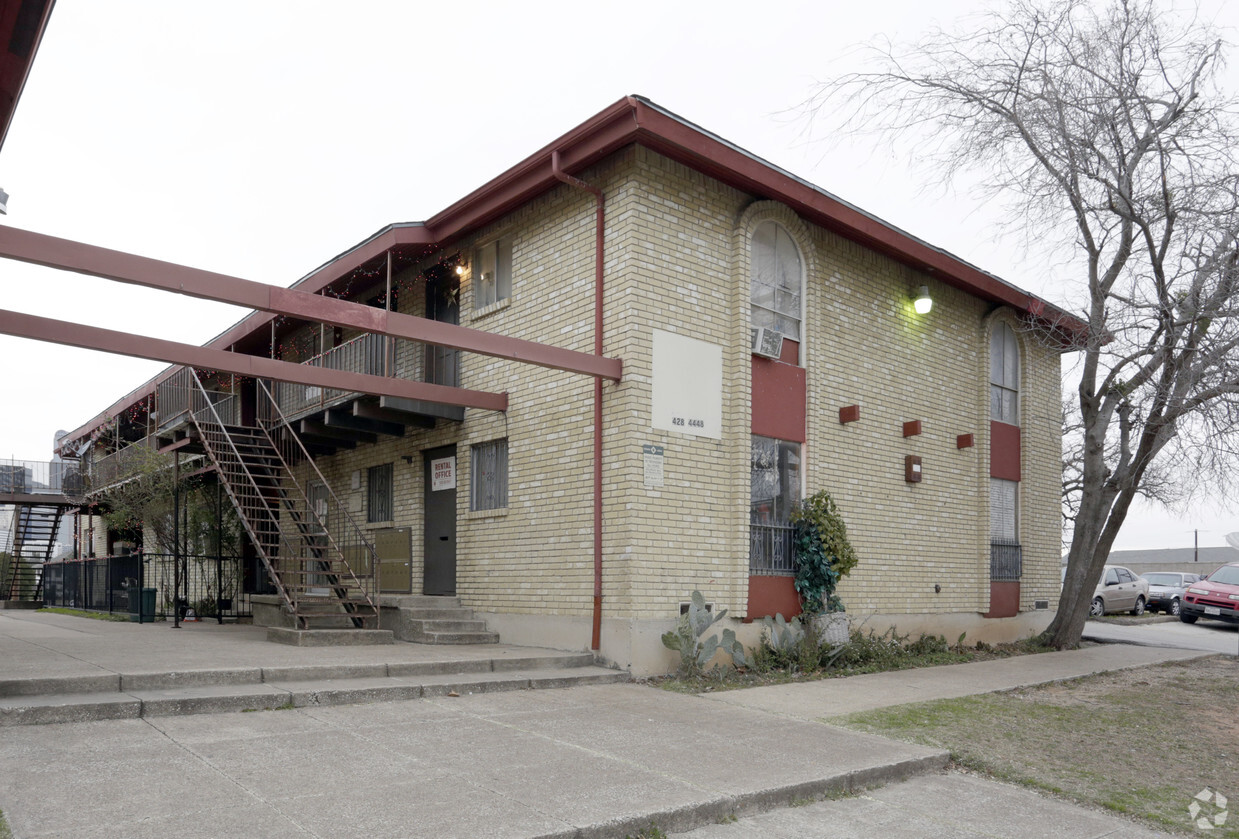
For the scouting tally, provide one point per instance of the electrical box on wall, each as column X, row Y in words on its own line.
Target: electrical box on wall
column 912, row 469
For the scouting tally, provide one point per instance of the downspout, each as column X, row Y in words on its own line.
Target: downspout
column 599, row 220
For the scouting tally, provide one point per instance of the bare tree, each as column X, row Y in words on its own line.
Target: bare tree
column 1101, row 126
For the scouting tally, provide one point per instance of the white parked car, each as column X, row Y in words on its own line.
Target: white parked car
column 1119, row 590
column 1166, row 590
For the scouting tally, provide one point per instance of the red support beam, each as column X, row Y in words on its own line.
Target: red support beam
column 67, row 255
column 172, row 352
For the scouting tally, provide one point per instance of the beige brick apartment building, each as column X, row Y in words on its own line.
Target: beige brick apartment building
column 770, row 348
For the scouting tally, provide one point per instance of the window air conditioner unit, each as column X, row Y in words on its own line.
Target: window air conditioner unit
column 767, row 342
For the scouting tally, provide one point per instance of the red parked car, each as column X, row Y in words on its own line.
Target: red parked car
column 1215, row 597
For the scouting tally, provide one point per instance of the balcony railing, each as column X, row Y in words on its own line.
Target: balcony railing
column 364, row 354
column 175, row 397
column 771, row 550
column 121, row 464
column 1006, row 560
column 40, row 477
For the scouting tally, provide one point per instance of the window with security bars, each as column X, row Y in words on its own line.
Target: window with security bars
column 774, row 491
column 379, row 493
column 1006, row 555
column 488, row 487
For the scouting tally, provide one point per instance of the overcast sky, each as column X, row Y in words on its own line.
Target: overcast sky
column 260, row 139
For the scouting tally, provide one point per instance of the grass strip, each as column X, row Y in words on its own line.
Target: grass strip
column 1142, row 742
column 81, row 613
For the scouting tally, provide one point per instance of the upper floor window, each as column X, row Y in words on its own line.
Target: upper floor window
column 492, row 273
column 775, row 281
column 1004, row 375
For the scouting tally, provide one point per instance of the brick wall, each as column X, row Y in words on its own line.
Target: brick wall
column 677, row 260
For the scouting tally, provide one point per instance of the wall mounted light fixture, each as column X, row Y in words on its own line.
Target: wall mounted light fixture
column 922, row 302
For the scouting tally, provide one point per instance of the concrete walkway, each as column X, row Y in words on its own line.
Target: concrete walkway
column 835, row 697
column 43, row 645
column 592, row 761
column 945, row 805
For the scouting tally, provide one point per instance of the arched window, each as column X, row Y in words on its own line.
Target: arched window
column 1004, row 375
column 1006, row 557
column 775, row 280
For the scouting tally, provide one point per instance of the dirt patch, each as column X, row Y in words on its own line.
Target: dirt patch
column 1142, row 742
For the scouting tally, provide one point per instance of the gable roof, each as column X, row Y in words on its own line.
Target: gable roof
column 635, row 119
column 1208, row 557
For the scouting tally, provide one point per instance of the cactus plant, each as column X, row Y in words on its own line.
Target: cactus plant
column 690, row 641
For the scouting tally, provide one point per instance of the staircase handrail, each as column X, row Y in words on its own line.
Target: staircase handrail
column 193, row 413
column 340, row 506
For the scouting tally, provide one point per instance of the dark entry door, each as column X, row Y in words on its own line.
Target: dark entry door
column 439, row 529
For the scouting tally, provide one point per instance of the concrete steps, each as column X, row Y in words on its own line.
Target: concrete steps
column 432, row 620
column 134, row 695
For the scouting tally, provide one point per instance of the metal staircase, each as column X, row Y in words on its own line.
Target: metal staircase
column 33, row 539
column 322, row 584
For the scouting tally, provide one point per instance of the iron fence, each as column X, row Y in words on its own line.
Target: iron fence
column 1006, row 560
column 149, row 586
column 772, row 550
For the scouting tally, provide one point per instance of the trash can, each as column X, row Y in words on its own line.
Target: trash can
column 148, row 606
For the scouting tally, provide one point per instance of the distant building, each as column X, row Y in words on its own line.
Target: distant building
column 1200, row 560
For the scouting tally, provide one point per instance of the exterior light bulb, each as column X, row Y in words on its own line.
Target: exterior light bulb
column 460, row 270
column 922, row 302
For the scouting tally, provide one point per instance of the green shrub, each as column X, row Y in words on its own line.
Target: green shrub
column 823, row 553
column 889, row 650
column 795, row 646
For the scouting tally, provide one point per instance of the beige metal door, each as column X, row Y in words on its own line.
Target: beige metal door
column 395, row 551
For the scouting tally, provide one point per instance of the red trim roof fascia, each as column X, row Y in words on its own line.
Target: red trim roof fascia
column 594, row 139
column 16, row 70
column 725, row 163
column 632, row 120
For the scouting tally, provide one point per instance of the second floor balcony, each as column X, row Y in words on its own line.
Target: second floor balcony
column 373, row 355
column 40, row 478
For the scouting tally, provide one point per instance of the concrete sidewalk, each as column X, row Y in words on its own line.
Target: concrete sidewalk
column 58, row 668
column 934, row 806
column 598, row 761
column 834, row 697
column 42, row 645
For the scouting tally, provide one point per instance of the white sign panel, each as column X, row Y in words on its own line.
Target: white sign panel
column 443, row 474
column 688, row 385
column 653, row 465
